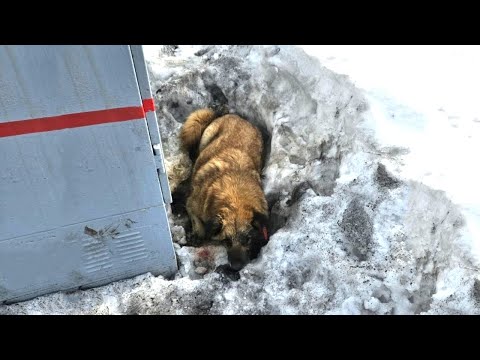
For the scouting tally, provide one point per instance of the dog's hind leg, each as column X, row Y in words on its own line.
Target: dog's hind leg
column 197, row 225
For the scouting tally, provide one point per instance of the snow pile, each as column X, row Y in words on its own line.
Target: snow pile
column 352, row 233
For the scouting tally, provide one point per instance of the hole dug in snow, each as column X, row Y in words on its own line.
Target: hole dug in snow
column 346, row 235
column 302, row 149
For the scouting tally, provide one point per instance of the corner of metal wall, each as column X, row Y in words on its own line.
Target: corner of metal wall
column 151, row 117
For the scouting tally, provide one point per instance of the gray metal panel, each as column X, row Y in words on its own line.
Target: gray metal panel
column 162, row 173
column 39, row 81
column 67, row 258
column 66, row 177
column 141, row 70
column 145, row 92
column 82, row 206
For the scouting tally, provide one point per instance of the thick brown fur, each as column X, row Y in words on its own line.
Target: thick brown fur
column 226, row 201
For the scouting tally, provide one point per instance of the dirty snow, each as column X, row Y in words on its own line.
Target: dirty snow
column 370, row 178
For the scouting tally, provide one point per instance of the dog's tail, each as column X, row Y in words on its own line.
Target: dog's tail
column 193, row 128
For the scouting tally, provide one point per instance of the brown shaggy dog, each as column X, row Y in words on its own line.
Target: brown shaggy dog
column 226, row 201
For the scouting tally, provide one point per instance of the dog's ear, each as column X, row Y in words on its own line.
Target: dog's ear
column 212, row 227
column 260, row 222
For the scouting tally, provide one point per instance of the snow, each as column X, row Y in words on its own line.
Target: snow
column 423, row 98
column 370, row 176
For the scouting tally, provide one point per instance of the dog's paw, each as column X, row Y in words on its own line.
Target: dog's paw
column 227, row 272
column 193, row 240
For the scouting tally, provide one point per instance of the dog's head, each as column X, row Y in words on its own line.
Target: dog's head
column 243, row 232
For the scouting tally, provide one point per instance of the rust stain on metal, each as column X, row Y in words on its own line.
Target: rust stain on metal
column 91, row 232
column 129, row 223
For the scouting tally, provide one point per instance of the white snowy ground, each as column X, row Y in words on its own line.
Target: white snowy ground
column 371, row 178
